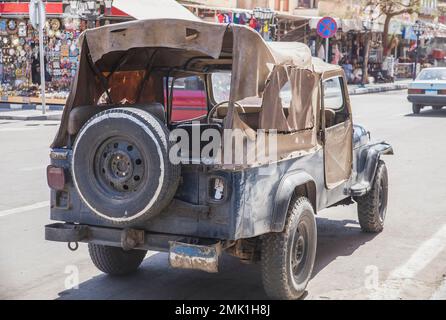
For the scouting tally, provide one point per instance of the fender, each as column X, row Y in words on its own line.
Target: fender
column 284, row 193
column 368, row 163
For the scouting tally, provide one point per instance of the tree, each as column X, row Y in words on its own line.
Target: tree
column 390, row 9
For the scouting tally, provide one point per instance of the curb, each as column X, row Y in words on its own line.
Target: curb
column 27, row 106
column 28, row 118
column 377, row 89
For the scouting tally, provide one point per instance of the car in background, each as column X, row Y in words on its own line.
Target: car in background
column 428, row 89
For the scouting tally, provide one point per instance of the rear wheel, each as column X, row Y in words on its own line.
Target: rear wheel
column 372, row 206
column 287, row 257
column 114, row 260
column 416, row 108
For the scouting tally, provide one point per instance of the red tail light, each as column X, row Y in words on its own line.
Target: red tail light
column 442, row 91
column 416, row 91
column 55, row 177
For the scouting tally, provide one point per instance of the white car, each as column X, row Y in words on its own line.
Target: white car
column 428, row 89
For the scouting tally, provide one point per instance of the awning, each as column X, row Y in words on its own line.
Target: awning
column 18, row 8
column 12, row 9
column 154, row 9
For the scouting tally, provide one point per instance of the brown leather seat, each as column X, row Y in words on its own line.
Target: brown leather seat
column 79, row 115
column 330, row 116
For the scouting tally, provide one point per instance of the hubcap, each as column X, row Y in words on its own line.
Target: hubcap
column 299, row 252
column 119, row 165
column 382, row 201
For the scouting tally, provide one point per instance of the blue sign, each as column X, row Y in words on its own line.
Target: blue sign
column 327, row 27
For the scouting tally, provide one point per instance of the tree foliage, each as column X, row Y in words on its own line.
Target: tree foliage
column 390, row 9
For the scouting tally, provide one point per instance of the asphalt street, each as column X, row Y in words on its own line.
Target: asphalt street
column 405, row 261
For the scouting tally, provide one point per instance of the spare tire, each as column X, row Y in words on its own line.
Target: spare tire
column 121, row 168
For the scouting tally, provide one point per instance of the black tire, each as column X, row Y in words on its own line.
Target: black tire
column 121, row 167
column 373, row 205
column 416, row 108
column 114, row 260
column 279, row 253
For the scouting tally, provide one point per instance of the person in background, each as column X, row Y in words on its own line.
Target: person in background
column 348, row 69
column 337, row 55
column 35, row 70
column 357, row 72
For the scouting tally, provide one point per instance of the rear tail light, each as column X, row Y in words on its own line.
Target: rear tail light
column 442, row 91
column 55, row 177
column 416, row 91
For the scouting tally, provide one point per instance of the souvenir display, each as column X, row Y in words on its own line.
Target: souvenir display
column 11, row 26
column 3, row 27
column 22, row 29
column 55, row 24
column 19, row 57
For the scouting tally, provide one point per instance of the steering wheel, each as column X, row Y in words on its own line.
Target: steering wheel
column 214, row 108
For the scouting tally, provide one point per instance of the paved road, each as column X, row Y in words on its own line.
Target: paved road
column 406, row 261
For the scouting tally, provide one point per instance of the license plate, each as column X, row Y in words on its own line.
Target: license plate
column 431, row 92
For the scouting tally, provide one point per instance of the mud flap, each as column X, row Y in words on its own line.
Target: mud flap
column 192, row 256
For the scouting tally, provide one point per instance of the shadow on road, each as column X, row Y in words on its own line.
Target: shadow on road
column 429, row 113
column 337, row 238
column 238, row 281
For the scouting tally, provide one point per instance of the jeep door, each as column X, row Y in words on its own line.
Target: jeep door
column 337, row 131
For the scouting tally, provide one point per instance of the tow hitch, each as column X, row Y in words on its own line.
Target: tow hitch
column 192, row 256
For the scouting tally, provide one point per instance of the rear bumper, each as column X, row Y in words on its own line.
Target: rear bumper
column 124, row 238
column 428, row 100
column 185, row 253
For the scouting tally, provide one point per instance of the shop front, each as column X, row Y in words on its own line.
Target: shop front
column 19, row 52
column 263, row 20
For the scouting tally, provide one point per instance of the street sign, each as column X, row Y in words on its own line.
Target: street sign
column 327, row 27
column 37, row 14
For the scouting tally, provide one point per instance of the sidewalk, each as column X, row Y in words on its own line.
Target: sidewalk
column 27, row 112
column 354, row 89
column 33, row 114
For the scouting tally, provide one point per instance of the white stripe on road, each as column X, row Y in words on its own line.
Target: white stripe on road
column 34, row 206
column 440, row 293
column 404, row 274
column 16, row 129
column 33, row 168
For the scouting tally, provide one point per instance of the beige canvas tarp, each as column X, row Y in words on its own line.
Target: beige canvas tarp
column 258, row 69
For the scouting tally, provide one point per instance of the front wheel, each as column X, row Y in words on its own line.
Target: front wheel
column 287, row 257
column 416, row 108
column 114, row 260
column 373, row 205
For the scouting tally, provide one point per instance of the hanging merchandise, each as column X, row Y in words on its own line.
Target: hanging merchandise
column 253, row 23
column 228, row 18
column 55, row 24
column 11, row 26
column 220, row 18
column 236, row 18
column 3, row 27
column 22, row 29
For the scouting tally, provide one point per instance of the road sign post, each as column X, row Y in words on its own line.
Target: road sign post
column 37, row 16
column 326, row 28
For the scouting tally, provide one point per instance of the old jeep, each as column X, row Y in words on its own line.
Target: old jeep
column 121, row 182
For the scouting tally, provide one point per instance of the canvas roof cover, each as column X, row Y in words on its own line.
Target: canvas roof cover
column 253, row 59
